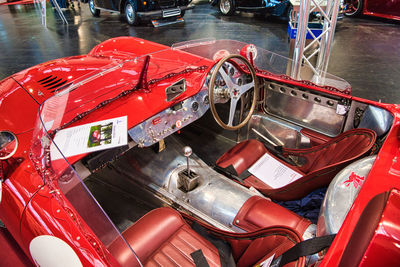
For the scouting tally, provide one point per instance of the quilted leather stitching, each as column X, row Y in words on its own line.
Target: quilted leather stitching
column 332, row 152
column 186, row 237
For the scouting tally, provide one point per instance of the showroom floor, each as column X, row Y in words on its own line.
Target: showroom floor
column 366, row 51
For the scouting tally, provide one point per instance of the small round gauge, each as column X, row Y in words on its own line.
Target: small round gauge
column 206, row 100
column 195, row 106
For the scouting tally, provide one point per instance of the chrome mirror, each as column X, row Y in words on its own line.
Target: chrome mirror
column 8, row 144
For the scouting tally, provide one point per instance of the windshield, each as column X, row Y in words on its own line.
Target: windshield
column 118, row 93
column 68, row 107
column 264, row 60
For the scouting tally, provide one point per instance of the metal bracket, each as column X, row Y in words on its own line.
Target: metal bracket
column 176, row 89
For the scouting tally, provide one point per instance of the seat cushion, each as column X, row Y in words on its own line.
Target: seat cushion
column 319, row 163
column 243, row 155
column 163, row 238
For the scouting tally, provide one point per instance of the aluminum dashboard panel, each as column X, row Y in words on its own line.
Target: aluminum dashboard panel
column 170, row 120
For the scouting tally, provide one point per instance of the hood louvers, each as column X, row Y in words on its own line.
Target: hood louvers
column 52, row 83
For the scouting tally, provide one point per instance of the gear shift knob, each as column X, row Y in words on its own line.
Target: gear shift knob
column 187, row 151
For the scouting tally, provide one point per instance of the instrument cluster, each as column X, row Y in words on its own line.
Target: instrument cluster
column 170, row 120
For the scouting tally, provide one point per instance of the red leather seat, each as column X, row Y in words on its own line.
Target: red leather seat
column 321, row 162
column 163, row 238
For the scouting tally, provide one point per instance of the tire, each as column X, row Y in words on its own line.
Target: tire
column 353, row 8
column 182, row 13
column 95, row 12
column 226, row 7
column 131, row 13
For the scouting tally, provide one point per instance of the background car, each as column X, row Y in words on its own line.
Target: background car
column 272, row 7
column 378, row 8
column 137, row 10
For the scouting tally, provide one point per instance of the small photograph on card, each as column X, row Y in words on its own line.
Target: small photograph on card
column 100, row 135
column 90, row 137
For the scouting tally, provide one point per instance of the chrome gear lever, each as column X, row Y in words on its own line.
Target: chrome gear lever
column 187, row 151
column 187, row 179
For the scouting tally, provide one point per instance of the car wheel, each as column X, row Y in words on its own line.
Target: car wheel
column 95, row 12
column 226, row 7
column 131, row 13
column 353, row 7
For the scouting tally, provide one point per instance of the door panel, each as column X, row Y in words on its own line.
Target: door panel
column 307, row 109
column 391, row 8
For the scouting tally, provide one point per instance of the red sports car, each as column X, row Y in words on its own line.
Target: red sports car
column 378, row 8
column 214, row 157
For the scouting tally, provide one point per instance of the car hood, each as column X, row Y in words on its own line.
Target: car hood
column 44, row 80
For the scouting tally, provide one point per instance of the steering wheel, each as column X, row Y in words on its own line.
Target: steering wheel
column 234, row 91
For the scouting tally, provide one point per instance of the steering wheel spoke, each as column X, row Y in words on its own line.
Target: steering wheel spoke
column 232, row 110
column 235, row 90
column 246, row 87
column 226, row 78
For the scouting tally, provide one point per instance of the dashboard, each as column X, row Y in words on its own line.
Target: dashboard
column 170, row 120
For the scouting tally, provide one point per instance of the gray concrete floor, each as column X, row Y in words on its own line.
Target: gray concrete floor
column 366, row 51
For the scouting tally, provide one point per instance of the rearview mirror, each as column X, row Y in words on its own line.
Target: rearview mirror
column 8, row 144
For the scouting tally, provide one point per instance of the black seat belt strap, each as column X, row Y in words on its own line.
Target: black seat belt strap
column 304, row 248
column 224, row 249
column 199, row 258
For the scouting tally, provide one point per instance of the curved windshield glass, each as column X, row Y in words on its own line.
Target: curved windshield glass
column 92, row 102
column 264, row 60
column 68, row 108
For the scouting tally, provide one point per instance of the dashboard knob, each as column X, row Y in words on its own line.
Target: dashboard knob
column 195, row 106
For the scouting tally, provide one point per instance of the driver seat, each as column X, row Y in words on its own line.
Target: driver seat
column 163, row 238
column 319, row 165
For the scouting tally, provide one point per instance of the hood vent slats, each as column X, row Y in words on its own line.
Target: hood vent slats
column 57, row 85
column 44, row 79
column 49, row 80
column 52, row 82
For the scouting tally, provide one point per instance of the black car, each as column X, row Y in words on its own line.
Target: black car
column 138, row 10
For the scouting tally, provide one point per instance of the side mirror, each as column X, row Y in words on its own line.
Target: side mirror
column 8, row 144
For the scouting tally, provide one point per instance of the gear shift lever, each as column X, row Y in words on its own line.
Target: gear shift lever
column 187, row 179
column 187, row 151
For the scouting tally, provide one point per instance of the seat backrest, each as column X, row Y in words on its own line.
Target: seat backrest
column 345, row 147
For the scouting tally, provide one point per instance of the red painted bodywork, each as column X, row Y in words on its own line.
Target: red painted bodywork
column 31, row 206
column 384, row 247
column 10, row 253
column 382, row 8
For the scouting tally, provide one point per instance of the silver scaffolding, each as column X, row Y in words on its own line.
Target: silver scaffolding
column 321, row 44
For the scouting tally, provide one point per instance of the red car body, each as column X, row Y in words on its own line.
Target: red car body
column 378, row 8
column 33, row 206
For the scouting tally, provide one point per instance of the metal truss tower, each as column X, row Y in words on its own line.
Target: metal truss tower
column 319, row 45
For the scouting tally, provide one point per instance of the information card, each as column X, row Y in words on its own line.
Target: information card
column 90, row 137
column 272, row 172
